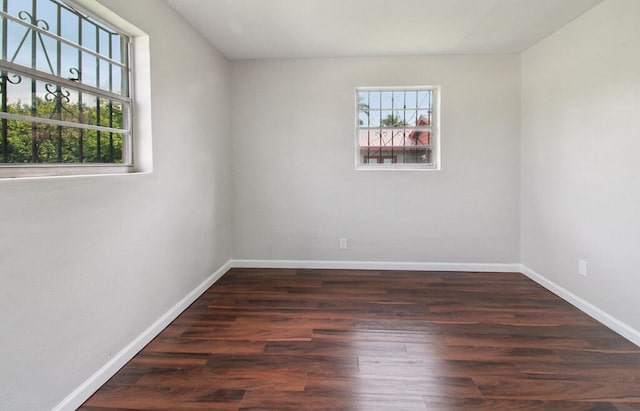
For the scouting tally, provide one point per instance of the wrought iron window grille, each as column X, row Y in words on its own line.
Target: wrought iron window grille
column 397, row 128
column 82, row 116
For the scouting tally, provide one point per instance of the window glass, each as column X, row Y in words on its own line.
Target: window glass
column 64, row 84
column 397, row 128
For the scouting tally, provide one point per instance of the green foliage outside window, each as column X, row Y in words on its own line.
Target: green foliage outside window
column 29, row 142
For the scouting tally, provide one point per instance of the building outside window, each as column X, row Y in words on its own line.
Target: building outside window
column 397, row 128
column 64, row 87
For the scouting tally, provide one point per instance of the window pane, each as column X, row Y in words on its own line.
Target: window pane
column 105, row 80
column 402, row 117
column 47, row 56
column 69, row 62
column 374, row 118
column 387, row 118
column 363, row 118
column 88, row 69
column 424, row 99
column 374, row 99
column 15, row 34
column 19, row 142
column 89, row 35
column 424, row 117
column 386, row 99
column 98, row 148
column 104, row 42
column 119, row 83
column 69, row 29
column 411, row 99
column 116, row 48
column 398, row 100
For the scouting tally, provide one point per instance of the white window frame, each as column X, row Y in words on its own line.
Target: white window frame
column 434, row 127
column 142, row 149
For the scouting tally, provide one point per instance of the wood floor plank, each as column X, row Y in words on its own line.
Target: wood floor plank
column 162, row 398
column 558, row 389
column 328, row 401
column 392, row 386
column 287, row 339
column 204, row 346
column 479, row 404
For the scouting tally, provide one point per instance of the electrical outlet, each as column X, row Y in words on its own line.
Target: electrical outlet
column 582, row 267
column 343, row 243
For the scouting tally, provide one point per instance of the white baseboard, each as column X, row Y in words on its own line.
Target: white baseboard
column 605, row 318
column 93, row 383
column 377, row 265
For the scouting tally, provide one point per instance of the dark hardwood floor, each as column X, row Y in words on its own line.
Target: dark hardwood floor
column 378, row 340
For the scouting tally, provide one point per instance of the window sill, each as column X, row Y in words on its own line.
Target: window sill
column 57, row 170
column 398, row 167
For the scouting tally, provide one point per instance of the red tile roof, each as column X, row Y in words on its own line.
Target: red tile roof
column 396, row 137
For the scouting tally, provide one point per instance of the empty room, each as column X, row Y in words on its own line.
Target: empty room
column 319, row 204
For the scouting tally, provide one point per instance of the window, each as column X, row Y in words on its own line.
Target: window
column 64, row 88
column 397, row 128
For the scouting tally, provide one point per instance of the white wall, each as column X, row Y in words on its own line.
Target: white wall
column 295, row 188
column 88, row 263
column 580, row 158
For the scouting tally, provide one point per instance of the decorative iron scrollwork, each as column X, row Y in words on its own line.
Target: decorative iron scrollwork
column 57, row 94
column 26, row 16
column 76, row 74
column 13, row 79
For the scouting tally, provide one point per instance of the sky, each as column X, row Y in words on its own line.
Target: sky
column 408, row 105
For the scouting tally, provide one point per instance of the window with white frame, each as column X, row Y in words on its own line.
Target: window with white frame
column 64, row 87
column 397, row 128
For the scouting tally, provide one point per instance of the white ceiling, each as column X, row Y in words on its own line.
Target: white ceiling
column 243, row 29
